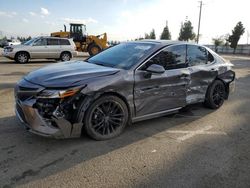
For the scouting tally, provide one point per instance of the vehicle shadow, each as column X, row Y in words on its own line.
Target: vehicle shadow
column 221, row 161
column 42, row 157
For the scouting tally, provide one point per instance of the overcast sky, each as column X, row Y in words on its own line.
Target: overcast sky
column 123, row 19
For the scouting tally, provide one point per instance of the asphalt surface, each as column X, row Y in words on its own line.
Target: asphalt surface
column 198, row 147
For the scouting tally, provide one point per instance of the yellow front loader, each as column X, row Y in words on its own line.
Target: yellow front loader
column 84, row 43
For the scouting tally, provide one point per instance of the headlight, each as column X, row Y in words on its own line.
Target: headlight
column 58, row 93
column 8, row 49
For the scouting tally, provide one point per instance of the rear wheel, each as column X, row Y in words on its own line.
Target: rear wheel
column 22, row 57
column 215, row 95
column 65, row 56
column 94, row 49
column 106, row 118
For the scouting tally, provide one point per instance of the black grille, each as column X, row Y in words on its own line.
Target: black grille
column 23, row 93
column 27, row 89
column 23, row 96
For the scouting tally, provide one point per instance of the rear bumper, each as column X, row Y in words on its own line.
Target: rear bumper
column 232, row 86
column 74, row 54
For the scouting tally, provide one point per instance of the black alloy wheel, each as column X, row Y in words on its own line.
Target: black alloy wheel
column 215, row 95
column 106, row 118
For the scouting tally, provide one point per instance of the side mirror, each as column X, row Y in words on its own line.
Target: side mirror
column 157, row 69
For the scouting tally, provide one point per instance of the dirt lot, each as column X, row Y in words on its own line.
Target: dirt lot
column 195, row 148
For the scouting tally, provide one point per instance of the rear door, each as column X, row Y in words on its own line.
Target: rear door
column 202, row 72
column 165, row 91
column 65, row 45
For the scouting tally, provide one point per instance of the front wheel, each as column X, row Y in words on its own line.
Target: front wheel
column 22, row 57
column 215, row 95
column 106, row 118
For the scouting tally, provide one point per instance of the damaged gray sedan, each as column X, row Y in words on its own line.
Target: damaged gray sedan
column 129, row 82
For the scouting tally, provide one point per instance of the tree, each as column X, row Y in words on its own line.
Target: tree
column 236, row 34
column 152, row 34
column 218, row 42
column 186, row 31
column 147, row 36
column 166, row 33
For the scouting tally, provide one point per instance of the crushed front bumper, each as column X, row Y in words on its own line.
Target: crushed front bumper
column 32, row 120
column 56, row 126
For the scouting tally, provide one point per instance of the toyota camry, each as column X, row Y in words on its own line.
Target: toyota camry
column 129, row 82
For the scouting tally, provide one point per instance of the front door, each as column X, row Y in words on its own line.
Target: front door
column 166, row 91
column 39, row 48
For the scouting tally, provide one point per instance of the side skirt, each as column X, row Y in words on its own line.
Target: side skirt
column 155, row 115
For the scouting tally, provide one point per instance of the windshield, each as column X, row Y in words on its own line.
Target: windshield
column 29, row 42
column 122, row 56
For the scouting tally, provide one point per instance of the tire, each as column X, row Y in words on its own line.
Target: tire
column 106, row 118
column 65, row 56
column 94, row 49
column 215, row 95
column 22, row 57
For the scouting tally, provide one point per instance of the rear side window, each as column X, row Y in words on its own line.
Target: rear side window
column 53, row 42
column 64, row 42
column 210, row 57
column 173, row 57
column 196, row 55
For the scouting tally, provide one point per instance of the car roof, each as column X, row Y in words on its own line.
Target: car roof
column 47, row 37
column 163, row 42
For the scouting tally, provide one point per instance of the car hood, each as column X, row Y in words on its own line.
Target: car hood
column 17, row 46
column 66, row 74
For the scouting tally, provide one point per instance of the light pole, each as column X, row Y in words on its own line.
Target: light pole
column 199, row 23
column 247, row 36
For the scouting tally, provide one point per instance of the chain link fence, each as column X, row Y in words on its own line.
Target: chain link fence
column 241, row 49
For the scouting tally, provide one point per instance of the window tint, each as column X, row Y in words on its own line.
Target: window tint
column 196, row 55
column 53, row 41
column 123, row 55
column 173, row 57
column 64, row 42
column 40, row 42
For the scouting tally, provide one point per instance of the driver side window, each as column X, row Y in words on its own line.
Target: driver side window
column 173, row 57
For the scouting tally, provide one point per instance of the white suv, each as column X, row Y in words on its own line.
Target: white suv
column 42, row 48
